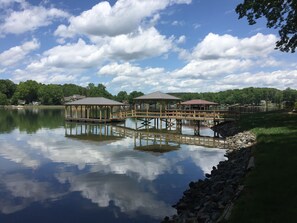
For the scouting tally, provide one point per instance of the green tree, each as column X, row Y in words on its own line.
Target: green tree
column 134, row 94
column 50, row 94
column 3, row 99
column 290, row 95
column 15, row 97
column 72, row 89
column 122, row 96
column 280, row 15
column 98, row 91
column 27, row 91
column 7, row 87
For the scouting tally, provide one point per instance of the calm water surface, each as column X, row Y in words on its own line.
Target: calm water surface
column 56, row 172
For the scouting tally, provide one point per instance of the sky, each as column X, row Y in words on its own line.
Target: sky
column 140, row 45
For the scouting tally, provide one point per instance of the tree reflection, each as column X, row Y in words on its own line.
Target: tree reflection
column 30, row 120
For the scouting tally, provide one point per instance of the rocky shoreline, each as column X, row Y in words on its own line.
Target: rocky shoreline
column 211, row 200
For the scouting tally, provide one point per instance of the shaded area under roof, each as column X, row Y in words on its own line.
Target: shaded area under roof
column 158, row 96
column 96, row 101
column 198, row 102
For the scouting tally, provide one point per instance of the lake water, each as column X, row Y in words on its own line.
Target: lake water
column 56, row 172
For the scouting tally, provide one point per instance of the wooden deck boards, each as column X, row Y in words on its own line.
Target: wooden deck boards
column 179, row 115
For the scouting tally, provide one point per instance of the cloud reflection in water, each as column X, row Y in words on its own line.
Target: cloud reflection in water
column 103, row 173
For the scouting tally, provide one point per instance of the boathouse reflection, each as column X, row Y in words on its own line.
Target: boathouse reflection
column 149, row 140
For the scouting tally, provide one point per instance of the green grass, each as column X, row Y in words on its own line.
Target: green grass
column 270, row 193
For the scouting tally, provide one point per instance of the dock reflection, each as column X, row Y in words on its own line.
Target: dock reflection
column 152, row 140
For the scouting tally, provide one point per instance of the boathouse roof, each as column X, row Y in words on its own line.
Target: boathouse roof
column 157, row 96
column 95, row 101
column 198, row 102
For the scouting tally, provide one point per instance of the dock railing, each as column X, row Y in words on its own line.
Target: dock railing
column 174, row 114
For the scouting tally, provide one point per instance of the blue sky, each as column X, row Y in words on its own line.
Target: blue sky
column 143, row 45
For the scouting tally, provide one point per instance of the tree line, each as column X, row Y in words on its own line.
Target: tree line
column 53, row 94
column 246, row 96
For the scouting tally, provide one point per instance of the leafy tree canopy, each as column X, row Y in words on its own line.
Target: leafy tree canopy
column 50, row 94
column 28, row 91
column 53, row 94
column 72, row 89
column 7, row 87
column 134, row 94
column 280, row 14
column 3, row 99
column 122, row 96
column 97, row 91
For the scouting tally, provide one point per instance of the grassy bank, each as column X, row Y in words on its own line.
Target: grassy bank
column 271, row 188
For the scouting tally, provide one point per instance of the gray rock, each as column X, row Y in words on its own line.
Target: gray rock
column 210, row 200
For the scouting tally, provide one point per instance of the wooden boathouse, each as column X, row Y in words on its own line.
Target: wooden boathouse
column 156, row 101
column 155, row 110
column 198, row 104
column 92, row 109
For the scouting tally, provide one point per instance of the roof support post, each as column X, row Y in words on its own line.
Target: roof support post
column 76, row 116
column 88, row 112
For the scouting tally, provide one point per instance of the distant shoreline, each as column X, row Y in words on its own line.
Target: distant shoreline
column 34, row 106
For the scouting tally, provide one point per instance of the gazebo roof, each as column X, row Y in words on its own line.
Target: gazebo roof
column 198, row 102
column 96, row 101
column 158, row 96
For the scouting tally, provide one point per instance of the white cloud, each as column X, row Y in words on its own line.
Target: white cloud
column 219, row 55
column 29, row 19
column 6, row 3
column 214, row 46
column 116, row 69
column 143, row 44
column 177, row 23
column 67, row 62
column 124, row 17
column 130, row 77
column 280, row 79
column 196, row 25
column 18, row 53
column 77, row 55
column 219, row 65
column 205, row 69
column 181, row 39
column 127, row 72
column 50, row 75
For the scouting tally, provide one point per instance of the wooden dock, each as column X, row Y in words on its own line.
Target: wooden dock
column 192, row 115
column 209, row 118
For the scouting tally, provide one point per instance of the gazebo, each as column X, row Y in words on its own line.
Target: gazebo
column 198, row 104
column 92, row 109
column 156, row 101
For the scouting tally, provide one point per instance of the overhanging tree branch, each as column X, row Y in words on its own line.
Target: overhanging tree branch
column 280, row 15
